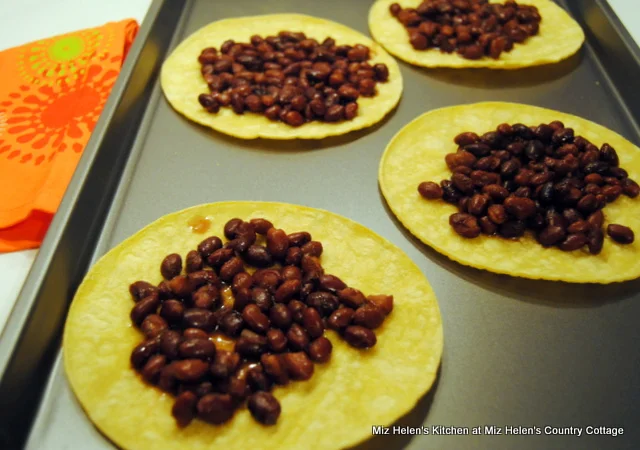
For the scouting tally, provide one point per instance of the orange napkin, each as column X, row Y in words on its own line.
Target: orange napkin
column 51, row 95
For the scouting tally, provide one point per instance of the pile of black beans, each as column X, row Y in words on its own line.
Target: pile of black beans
column 542, row 178
column 472, row 28
column 217, row 336
column 290, row 78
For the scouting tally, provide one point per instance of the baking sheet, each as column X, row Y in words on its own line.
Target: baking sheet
column 517, row 352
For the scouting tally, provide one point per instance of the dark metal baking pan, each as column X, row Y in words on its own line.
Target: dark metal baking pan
column 517, row 352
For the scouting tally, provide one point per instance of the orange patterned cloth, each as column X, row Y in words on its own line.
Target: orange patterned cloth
column 51, row 94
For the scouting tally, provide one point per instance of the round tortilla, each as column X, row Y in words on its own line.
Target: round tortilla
column 336, row 408
column 182, row 81
column 560, row 37
column 417, row 154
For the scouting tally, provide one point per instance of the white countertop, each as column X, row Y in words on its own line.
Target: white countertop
column 28, row 20
column 23, row 21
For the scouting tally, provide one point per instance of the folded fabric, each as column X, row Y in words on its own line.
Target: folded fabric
column 51, row 94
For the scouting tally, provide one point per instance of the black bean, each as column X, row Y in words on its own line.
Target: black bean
column 219, row 257
column 313, row 248
column 573, row 242
column 562, row 136
column 250, row 344
column 620, row 233
column 268, row 279
column 449, row 193
column 515, row 148
column 144, row 307
column 224, row 364
column 521, row 208
column 369, row 316
column 478, row 204
column 172, row 311
column 497, row 214
column 194, row 333
column 169, row 343
column 298, row 365
column 242, row 243
column 296, row 307
column 630, row 188
column 255, row 319
column 277, row 243
column 189, row 370
column 264, row 407
column 430, row 190
column 171, row 266
column 492, row 139
column 572, row 215
column 320, row 350
column 280, row 316
column 197, row 348
column 544, row 132
column 595, row 241
column 242, row 280
column 299, row 238
column 297, row 337
column 467, row 138
column 184, row 408
column 478, row 149
column 257, row 379
column 546, row 194
column 291, row 272
column 261, row 225
column 465, row 225
column 236, row 386
column 331, row 283
column 312, row 322
column 324, row 302
column 340, row 319
column 359, row 337
column 551, row 235
column 274, row 367
column 276, row 340
column 258, row 256
column 609, row 155
column 599, row 167
column 199, row 318
column 618, row 172
column 241, row 298
column 579, row 226
column 142, row 289
column 512, row 229
column 209, row 245
column 142, row 352
column 231, row 323
column 382, row 72
column 231, row 268
column 193, row 261
column 216, row 408
column 587, row 204
column 522, row 131
column 153, row 325
column 611, row 193
column 534, row 150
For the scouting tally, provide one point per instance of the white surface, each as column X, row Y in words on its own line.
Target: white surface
column 629, row 13
column 14, row 268
column 22, row 21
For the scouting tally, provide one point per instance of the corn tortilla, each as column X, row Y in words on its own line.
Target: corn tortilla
column 334, row 409
column 182, row 81
column 560, row 37
column 417, row 154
